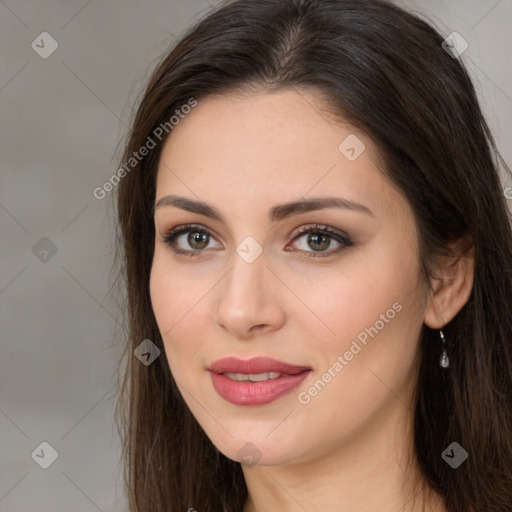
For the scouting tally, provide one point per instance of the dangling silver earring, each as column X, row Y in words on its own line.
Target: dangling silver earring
column 444, row 362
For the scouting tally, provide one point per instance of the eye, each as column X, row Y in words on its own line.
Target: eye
column 320, row 238
column 197, row 238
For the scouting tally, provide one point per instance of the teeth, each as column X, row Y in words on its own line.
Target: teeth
column 254, row 377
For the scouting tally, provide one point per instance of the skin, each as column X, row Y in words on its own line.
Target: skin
column 348, row 447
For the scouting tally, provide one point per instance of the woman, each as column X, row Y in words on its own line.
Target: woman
column 317, row 252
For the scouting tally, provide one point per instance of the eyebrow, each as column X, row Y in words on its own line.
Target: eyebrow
column 276, row 213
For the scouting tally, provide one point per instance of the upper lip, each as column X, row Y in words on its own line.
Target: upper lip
column 255, row 365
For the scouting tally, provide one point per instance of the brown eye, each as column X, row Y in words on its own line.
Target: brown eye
column 319, row 239
column 196, row 240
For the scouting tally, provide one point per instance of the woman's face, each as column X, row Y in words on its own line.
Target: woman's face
column 344, row 307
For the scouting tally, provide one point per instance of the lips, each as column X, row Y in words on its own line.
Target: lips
column 256, row 365
column 255, row 381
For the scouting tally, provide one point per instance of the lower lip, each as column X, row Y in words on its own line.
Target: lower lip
column 255, row 393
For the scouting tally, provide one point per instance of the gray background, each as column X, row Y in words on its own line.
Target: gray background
column 62, row 119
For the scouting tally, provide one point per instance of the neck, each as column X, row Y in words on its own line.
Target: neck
column 375, row 470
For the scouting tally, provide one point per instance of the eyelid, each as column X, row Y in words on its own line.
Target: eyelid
column 324, row 228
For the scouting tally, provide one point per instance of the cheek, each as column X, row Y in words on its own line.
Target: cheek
column 175, row 300
column 369, row 286
column 376, row 314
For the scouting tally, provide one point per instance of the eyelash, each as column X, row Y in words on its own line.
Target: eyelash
column 170, row 236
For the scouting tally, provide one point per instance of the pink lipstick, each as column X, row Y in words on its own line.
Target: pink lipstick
column 256, row 381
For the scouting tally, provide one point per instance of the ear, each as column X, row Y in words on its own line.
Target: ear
column 453, row 286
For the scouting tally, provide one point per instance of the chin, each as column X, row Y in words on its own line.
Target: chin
column 261, row 449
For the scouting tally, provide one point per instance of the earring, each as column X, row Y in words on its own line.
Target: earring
column 444, row 362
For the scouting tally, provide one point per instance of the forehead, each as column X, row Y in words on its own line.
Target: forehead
column 280, row 145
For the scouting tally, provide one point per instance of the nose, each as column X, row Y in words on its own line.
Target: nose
column 248, row 303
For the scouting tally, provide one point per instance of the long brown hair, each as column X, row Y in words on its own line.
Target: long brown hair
column 386, row 72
